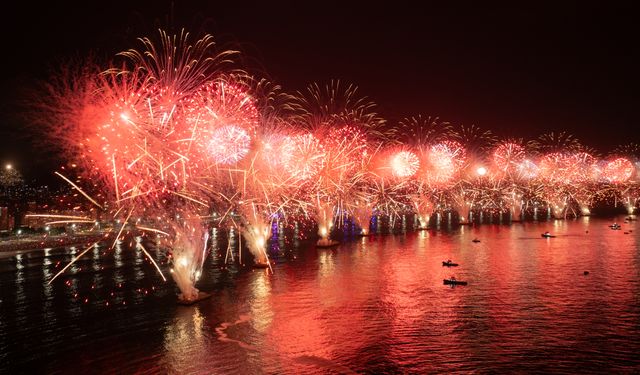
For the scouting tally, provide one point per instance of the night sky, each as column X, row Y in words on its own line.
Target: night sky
column 516, row 70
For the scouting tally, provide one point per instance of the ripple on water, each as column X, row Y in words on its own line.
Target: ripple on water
column 373, row 305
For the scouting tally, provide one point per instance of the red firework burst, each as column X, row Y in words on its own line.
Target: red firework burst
column 445, row 159
column 618, row 170
column 229, row 144
column 508, row 155
column 303, row 156
column 404, row 164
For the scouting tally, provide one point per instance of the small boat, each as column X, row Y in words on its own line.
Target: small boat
column 615, row 226
column 453, row 281
column 327, row 244
column 187, row 302
column 630, row 218
column 260, row 264
column 547, row 235
column 475, row 240
column 449, row 263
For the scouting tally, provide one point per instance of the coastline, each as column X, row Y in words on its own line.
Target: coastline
column 14, row 245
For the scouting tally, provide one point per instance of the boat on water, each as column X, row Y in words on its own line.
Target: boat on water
column 453, row 281
column 547, row 235
column 475, row 240
column 449, row 263
column 327, row 243
column 194, row 299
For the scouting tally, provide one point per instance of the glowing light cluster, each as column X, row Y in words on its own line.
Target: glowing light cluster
column 229, row 144
column 404, row 164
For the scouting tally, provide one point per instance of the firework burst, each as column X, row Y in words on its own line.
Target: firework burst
column 174, row 136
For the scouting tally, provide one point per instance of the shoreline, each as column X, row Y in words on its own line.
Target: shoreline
column 14, row 245
column 10, row 246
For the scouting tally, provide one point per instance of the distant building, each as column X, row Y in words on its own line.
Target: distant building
column 33, row 220
column 5, row 219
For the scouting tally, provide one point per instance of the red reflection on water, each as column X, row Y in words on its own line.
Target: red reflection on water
column 378, row 305
column 313, row 322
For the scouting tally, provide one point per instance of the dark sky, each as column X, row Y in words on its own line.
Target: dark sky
column 519, row 70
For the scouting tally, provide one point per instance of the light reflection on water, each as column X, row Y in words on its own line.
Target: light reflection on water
column 374, row 304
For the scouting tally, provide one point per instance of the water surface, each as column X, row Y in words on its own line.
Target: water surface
column 372, row 305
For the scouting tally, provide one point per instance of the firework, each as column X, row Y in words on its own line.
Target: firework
column 188, row 250
column 145, row 130
column 361, row 212
column 303, row 156
column 404, row 164
column 557, row 142
column 174, row 136
column 618, row 170
column 508, row 156
column 445, row 160
column 528, row 169
column 229, row 144
column 337, row 104
column 420, row 132
column 474, row 139
column 629, row 150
